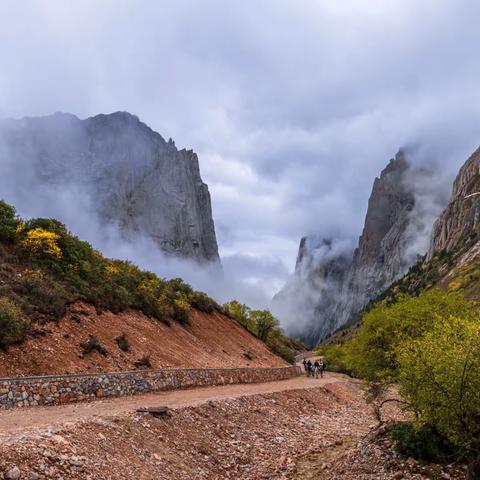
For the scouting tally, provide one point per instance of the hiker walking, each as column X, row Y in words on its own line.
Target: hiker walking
column 321, row 367
column 310, row 369
column 305, row 366
column 316, row 368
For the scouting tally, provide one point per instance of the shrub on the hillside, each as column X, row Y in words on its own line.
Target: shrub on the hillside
column 93, row 345
column 123, row 343
column 241, row 313
column 41, row 294
column 143, row 362
column 13, row 327
column 181, row 310
column 202, row 302
column 41, row 244
column 422, row 442
column 264, row 325
column 439, row 374
column 281, row 348
column 8, row 222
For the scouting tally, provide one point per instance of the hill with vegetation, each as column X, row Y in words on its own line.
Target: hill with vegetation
column 64, row 307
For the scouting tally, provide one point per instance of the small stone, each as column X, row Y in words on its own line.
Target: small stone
column 59, row 439
column 33, row 476
column 13, row 474
column 397, row 476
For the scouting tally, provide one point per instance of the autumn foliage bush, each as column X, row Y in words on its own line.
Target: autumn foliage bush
column 13, row 327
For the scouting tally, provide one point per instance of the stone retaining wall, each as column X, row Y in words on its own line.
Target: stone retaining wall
column 60, row 389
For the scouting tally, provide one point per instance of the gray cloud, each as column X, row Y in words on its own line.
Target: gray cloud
column 293, row 107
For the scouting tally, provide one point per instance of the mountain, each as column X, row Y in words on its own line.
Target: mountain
column 342, row 283
column 312, row 293
column 381, row 256
column 113, row 167
column 453, row 259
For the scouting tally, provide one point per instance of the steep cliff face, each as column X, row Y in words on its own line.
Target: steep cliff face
column 381, row 256
column 460, row 221
column 341, row 284
column 134, row 179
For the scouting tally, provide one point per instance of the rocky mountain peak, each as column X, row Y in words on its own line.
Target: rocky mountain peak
column 343, row 281
column 133, row 178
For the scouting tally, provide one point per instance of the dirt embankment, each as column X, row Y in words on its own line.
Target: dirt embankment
column 308, row 433
column 212, row 340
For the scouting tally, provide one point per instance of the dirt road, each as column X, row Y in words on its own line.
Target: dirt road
column 38, row 418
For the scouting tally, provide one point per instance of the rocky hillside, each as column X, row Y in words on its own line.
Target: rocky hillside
column 113, row 167
column 343, row 282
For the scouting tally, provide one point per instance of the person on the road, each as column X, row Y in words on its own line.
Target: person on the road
column 316, row 368
column 309, row 369
column 305, row 367
column 321, row 368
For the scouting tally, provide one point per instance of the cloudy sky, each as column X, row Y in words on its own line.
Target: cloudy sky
column 293, row 106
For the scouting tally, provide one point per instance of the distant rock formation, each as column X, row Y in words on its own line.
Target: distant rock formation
column 308, row 302
column 381, row 256
column 135, row 180
column 342, row 283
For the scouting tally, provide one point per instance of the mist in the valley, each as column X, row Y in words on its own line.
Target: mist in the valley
column 315, row 284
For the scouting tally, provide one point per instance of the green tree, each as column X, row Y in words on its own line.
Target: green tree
column 439, row 374
column 372, row 354
column 264, row 325
column 265, row 322
column 8, row 221
column 241, row 313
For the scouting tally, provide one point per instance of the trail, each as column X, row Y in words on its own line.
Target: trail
column 21, row 421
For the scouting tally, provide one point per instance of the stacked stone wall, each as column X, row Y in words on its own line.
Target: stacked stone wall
column 61, row 389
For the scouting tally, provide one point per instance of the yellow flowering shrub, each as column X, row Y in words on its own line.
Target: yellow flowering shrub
column 181, row 309
column 41, row 242
column 112, row 270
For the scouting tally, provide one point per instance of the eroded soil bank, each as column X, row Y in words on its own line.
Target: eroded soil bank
column 210, row 341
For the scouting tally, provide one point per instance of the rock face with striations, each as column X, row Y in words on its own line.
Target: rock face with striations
column 349, row 279
column 133, row 178
column 381, row 256
column 460, row 221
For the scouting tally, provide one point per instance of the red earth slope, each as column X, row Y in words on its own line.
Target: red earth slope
column 212, row 340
